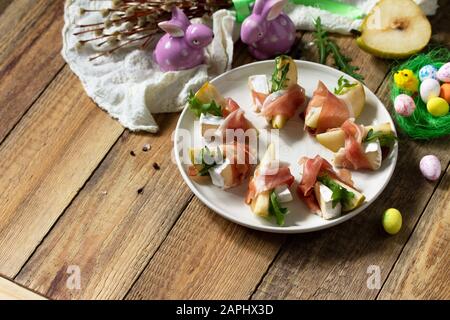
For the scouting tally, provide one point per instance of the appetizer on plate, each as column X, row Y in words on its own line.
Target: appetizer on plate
column 363, row 147
column 326, row 110
column 326, row 192
column 226, row 166
column 269, row 187
column 278, row 101
column 216, row 112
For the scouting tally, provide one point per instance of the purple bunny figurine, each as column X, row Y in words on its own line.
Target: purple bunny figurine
column 268, row 31
column 182, row 47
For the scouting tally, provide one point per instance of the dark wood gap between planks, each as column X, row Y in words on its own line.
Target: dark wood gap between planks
column 183, row 209
column 441, row 179
column 187, row 202
column 288, row 238
column 68, row 205
column 28, row 108
column 239, row 48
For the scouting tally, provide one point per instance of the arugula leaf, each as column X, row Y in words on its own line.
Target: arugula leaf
column 343, row 85
column 198, row 108
column 276, row 210
column 207, row 161
column 326, row 46
column 320, row 40
column 279, row 76
column 386, row 139
column 340, row 194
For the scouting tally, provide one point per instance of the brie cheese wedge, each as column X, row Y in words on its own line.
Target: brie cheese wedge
column 372, row 150
column 222, row 174
column 324, row 197
column 283, row 193
column 209, row 122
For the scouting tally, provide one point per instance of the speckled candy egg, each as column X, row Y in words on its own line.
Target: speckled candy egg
column 427, row 72
column 444, row 73
column 404, row 105
column 429, row 88
column 430, row 166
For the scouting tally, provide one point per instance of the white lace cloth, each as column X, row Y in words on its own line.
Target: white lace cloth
column 128, row 84
column 130, row 87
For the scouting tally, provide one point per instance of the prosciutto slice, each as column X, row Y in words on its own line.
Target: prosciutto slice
column 352, row 156
column 313, row 168
column 258, row 99
column 235, row 120
column 283, row 103
column 264, row 180
column 241, row 162
column 229, row 107
column 334, row 111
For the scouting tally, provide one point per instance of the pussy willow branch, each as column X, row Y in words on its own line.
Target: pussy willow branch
column 136, row 21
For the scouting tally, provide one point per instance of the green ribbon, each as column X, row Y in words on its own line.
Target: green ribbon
column 242, row 8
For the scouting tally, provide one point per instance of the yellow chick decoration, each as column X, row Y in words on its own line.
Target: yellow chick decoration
column 406, row 80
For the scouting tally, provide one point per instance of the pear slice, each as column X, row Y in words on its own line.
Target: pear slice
column 355, row 98
column 208, row 93
column 335, row 139
column 260, row 205
column 394, row 29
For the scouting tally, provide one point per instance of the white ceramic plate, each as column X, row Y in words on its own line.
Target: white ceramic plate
column 293, row 142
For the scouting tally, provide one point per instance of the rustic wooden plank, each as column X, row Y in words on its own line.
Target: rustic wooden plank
column 333, row 264
column 36, row 273
column 44, row 162
column 30, row 42
column 111, row 230
column 423, row 270
column 4, row 4
column 12, row 291
column 217, row 266
column 207, row 257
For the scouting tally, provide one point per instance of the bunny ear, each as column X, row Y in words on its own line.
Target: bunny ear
column 177, row 25
column 273, row 8
column 179, row 17
column 258, row 7
column 171, row 28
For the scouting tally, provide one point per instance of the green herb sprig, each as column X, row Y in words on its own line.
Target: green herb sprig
column 207, row 161
column 206, row 108
column 276, row 210
column 386, row 139
column 326, row 46
column 340, row 194
column 279, row 77
column 343, row 86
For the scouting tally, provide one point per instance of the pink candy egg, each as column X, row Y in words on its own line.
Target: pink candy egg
column 430, row 166
column 404, row 105
column 444, row 73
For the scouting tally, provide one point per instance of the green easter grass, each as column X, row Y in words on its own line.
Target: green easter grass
column 421, row 124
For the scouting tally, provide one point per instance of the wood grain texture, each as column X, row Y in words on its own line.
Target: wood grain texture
column 195, row 272
column 423, row 269
column 12, row 291
column 207, row 257
column 333, row 264
column 111, row 230
column 44, row 162
column 30, row 33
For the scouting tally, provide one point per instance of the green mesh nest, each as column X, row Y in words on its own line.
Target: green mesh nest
column 421, row 124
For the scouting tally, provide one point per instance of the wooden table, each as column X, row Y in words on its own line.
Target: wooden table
column 70, row 206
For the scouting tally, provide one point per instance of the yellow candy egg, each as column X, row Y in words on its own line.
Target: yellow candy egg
column 437, row 106
column 392, row 221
